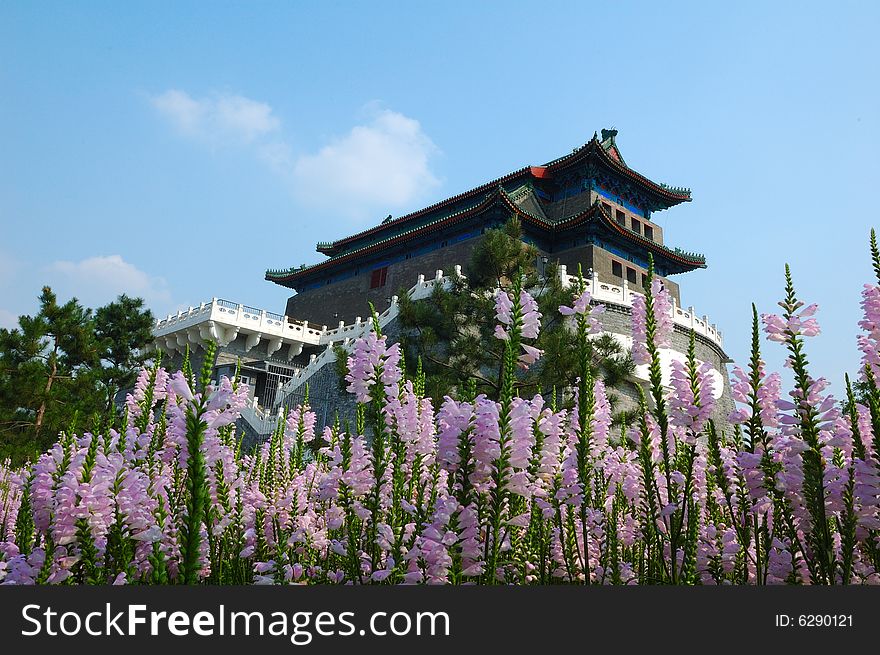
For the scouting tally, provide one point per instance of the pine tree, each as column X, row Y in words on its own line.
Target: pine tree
column 122, row 328
column 452, row 333
column 60, row 369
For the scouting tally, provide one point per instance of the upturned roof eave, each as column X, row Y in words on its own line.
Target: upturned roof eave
column 335, row 246
column 283, row 278
column 594, row 213
column 593, row 146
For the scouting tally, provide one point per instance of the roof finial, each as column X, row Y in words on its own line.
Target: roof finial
column 609, row 134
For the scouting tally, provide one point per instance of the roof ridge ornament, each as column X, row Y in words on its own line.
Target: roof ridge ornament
column 680, row 190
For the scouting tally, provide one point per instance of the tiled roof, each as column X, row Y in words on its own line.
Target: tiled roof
column 522, row 197
column 597, row 213
column 525, row 199
column 514, row 202
column 671, row 195
column 285, row 275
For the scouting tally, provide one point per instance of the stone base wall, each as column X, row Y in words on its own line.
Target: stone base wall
column 347, row 299
column 328, row 398
column 618, row 320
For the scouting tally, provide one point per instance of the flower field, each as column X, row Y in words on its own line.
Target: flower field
column 471, row 490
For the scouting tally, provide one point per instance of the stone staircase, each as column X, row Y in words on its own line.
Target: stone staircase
column 258, row 423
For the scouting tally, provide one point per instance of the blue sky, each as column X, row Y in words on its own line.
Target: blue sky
column 177, row 150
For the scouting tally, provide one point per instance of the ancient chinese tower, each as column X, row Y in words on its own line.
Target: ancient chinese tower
column 588, row 207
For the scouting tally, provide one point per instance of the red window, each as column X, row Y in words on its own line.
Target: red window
column 379, row 277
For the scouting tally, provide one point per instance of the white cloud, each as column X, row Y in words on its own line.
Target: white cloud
column 219, row 119
column 380, row 165
column 278, row 156
column 384, row 163
column 96, row 281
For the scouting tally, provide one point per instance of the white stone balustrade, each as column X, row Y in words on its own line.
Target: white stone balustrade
column 346, row 335
column 623, row 295
column 222, row 321
column 261, row 419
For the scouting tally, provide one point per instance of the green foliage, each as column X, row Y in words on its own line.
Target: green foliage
column 452, row 332
column 820, row 537
column 66, row 362
column 500, row 257
column 122, row 328
column 24, row 522
column 197, row 494
column 341, row 365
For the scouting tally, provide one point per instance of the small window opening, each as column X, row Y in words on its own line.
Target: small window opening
column 379, row 277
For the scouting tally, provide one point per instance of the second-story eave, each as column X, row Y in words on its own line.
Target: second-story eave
column 289, row 278
column 677, row 261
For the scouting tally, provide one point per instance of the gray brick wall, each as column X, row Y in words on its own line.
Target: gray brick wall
column 600, row 260
column 347, row 299
column 618, row 320
column 327, row 397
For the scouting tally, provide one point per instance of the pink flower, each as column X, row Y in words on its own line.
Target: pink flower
column 370, row 356
column 180, row 386
column 686, row 409
column 486, row 442
column 662, row 305
column 453, row 420
column 503, row 307
column 799, row 324
column 582, row 306
column 531, row 355
column 531, row 316
column 869, row 343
